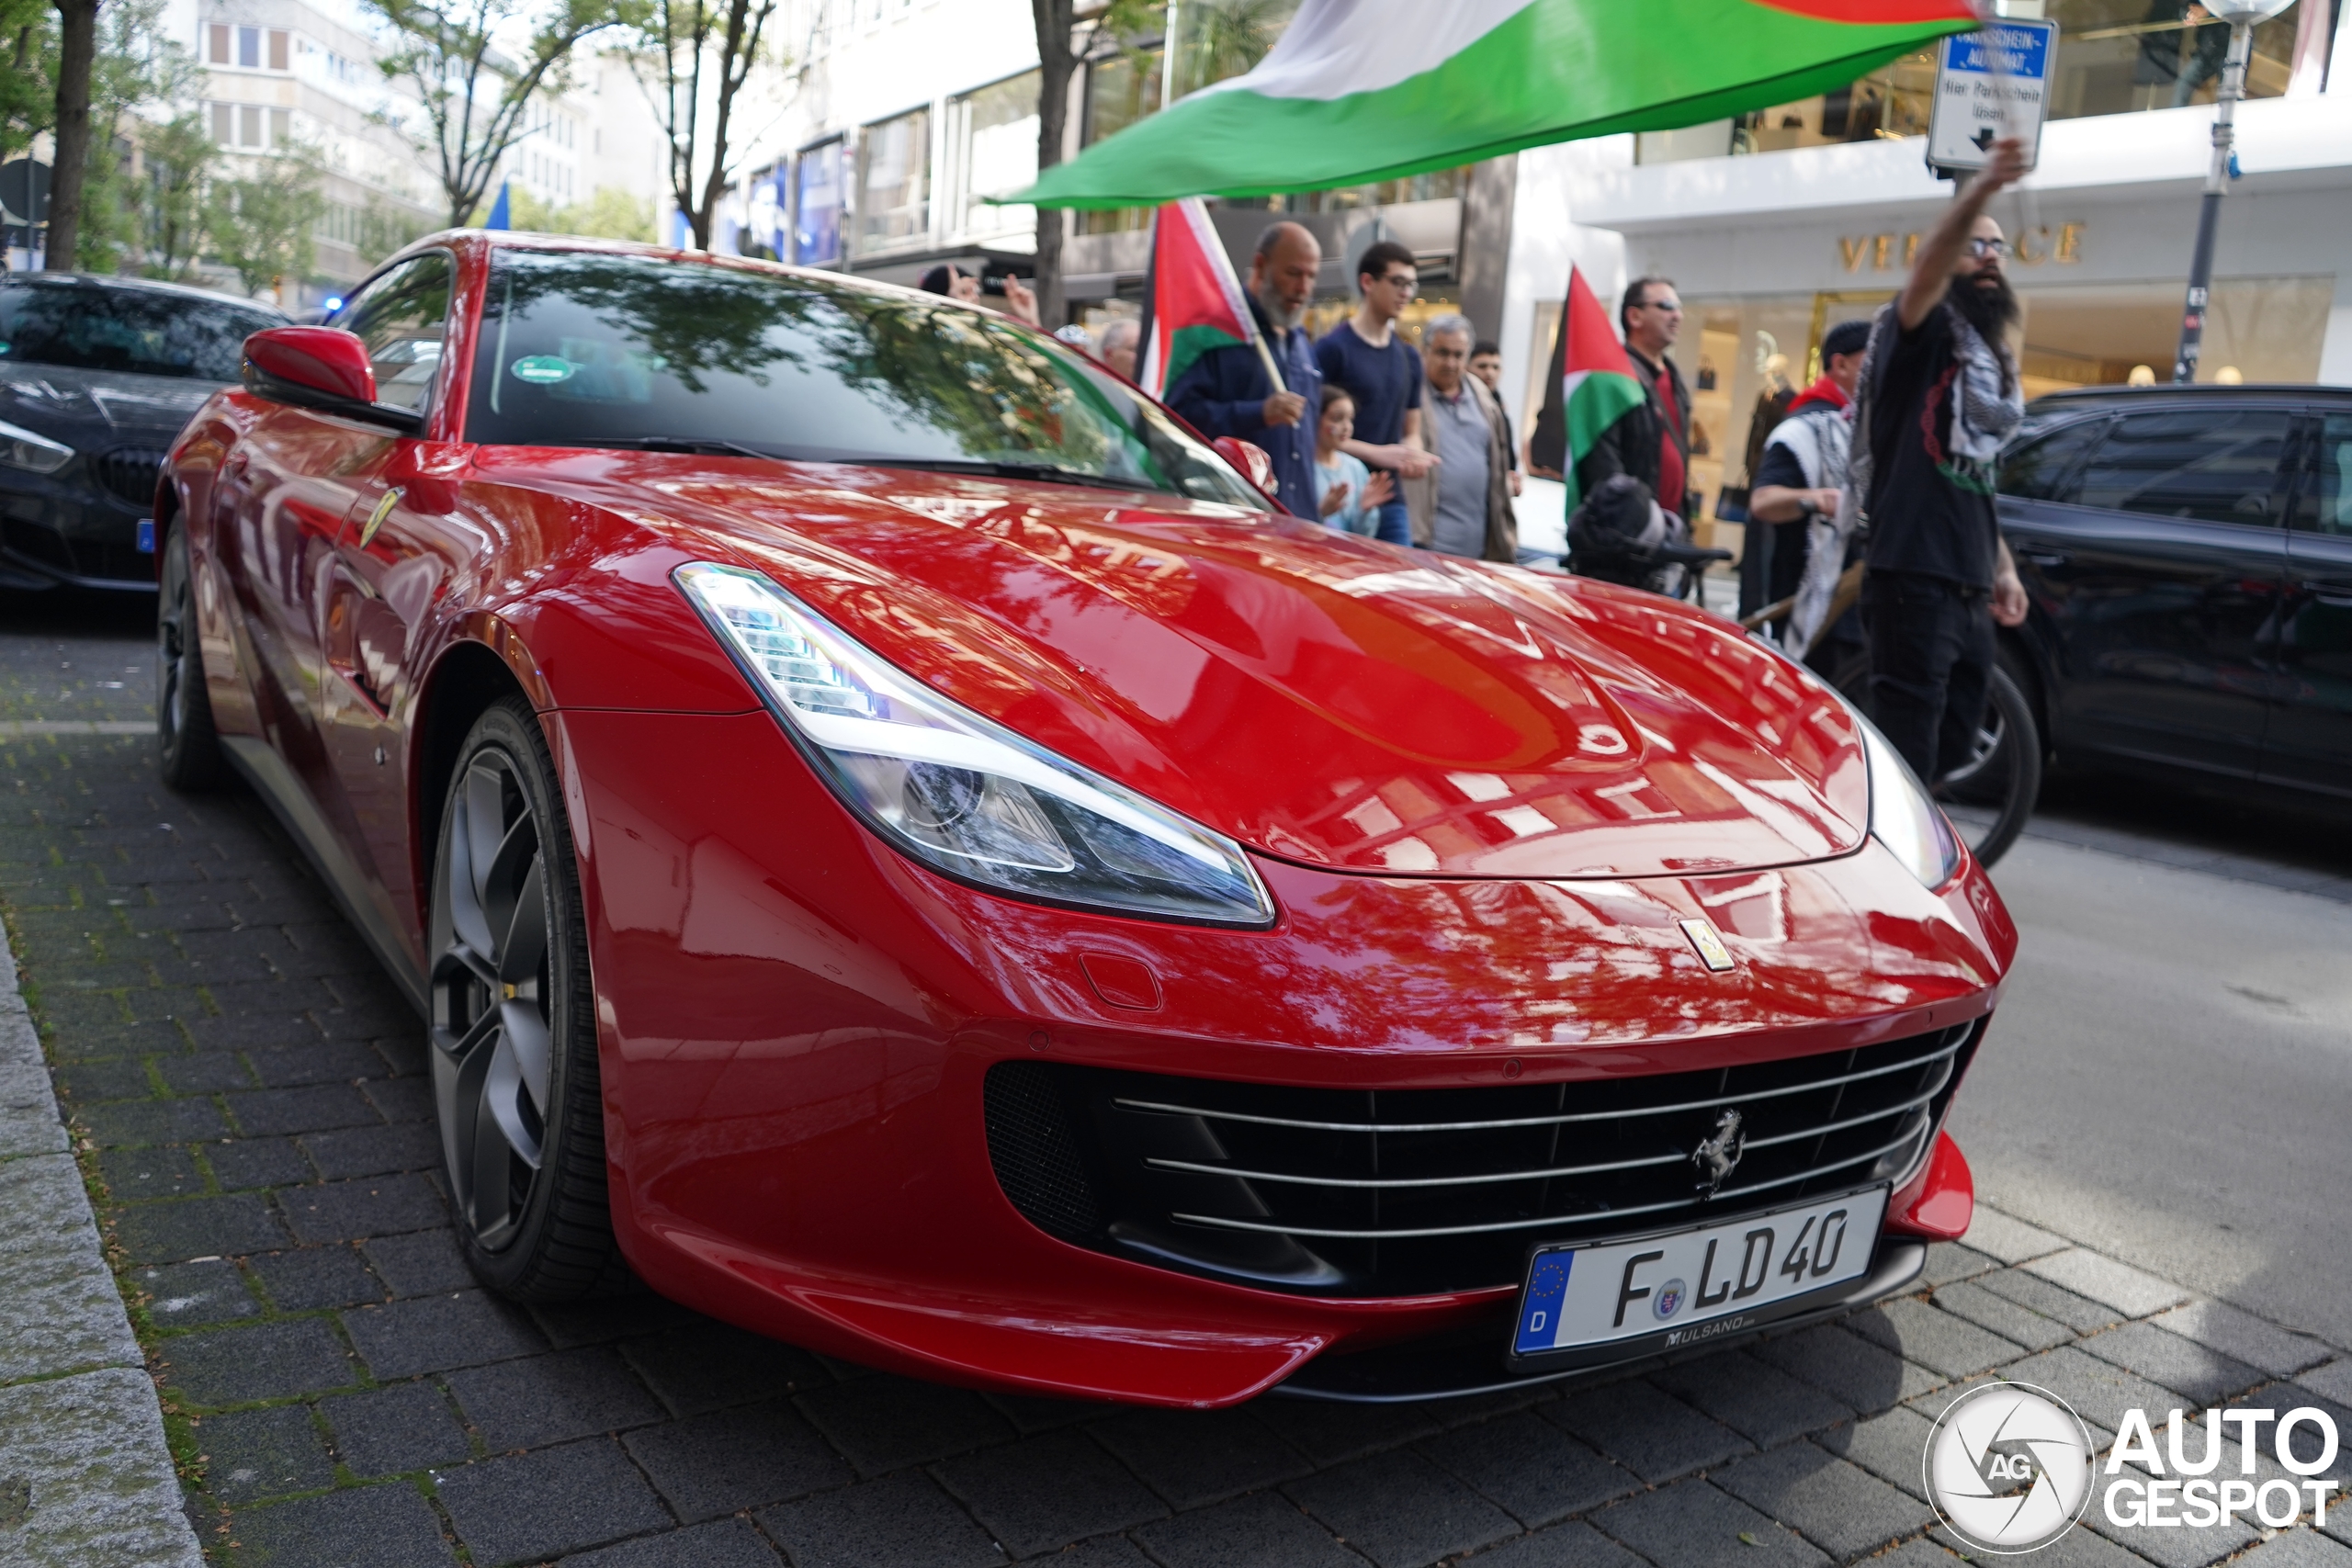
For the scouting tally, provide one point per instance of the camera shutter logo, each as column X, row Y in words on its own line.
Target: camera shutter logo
column 2009, row 1468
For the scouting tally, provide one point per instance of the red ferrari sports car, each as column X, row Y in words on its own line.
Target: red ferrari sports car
column 899, row 845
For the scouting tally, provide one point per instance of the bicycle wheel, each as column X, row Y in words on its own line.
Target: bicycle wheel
column 1990, row 796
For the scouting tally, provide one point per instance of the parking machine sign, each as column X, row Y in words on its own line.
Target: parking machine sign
column 1990, row 84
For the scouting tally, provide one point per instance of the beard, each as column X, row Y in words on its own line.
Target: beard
column 1991, row 309
column 1281, row 312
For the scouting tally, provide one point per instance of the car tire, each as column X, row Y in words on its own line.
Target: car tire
column 188, row 749
column 513, row 1026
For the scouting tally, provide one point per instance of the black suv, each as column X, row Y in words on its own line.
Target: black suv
column 2189, row 554
column 97, row 376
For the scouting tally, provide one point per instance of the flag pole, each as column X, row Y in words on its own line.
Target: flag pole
column 1147, row 369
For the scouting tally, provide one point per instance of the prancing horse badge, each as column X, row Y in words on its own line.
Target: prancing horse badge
column 1710, row 943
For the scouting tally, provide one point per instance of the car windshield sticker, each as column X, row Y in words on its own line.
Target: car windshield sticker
column 542, row 369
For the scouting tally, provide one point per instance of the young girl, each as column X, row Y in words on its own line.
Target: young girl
column 1351, row 494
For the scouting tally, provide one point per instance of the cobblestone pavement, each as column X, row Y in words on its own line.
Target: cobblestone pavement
column 248, row 1090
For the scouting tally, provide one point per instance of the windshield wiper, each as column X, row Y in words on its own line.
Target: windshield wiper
column 690, row 444
column 989, row 468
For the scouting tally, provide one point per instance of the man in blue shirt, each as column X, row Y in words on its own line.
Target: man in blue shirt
column 1370, row 358
column 1225, row 391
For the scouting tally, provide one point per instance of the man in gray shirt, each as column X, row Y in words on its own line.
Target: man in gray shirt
column 1463, row 508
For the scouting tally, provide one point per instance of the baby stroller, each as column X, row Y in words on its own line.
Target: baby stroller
column 1618, row 533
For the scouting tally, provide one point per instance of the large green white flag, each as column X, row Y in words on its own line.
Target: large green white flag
column 1363, row 90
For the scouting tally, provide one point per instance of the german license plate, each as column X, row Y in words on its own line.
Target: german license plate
column 1686, row 1286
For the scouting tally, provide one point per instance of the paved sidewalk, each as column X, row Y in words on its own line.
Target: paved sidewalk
column 86, row 1477
column 254, row 1091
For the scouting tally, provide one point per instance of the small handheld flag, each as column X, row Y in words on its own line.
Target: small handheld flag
column 1596, row 386
column 1193, row 301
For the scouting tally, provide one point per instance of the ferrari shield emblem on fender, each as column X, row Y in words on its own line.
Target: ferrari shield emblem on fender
column 384, row 508
column 1710, row 943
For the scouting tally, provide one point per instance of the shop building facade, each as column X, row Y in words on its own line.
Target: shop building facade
column 1772, row 229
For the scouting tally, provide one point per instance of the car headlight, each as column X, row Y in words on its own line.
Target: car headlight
column 20, row 448
column 960, row 792
column 1903, row 818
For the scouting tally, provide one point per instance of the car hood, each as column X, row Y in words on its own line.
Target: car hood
column 1320, row 697
column 83, row 406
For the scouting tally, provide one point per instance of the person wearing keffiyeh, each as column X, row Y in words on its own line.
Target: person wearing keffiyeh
column 1938, row 395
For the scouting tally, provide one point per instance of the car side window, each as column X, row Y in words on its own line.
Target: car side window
column 402, row 318
column 2210, row 465
column 2324, row 505
column 2043, row 469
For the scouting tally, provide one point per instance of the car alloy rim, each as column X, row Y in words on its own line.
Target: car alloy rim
column 492, row 1041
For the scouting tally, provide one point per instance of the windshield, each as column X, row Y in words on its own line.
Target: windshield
column 87, row 326
column 581, row 350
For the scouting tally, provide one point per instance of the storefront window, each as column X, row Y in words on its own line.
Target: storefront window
column 2114, row 57
column 817, row 204
column 1217, row 39
column 1435, row 186
column 893, row 182
column 993, row 136
column 1120, row 90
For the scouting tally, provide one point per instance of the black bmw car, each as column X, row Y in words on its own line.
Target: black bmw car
column 96, row 375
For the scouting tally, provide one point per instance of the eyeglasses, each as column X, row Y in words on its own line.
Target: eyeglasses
column 1671, row 306
column 1398, row 280
column 1981, row 247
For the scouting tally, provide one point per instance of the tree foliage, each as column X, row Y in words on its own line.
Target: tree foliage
column 28, row 82
column 261, row 222
column 473, row 94
column 609, row 214
column 694, row 57
column 178, row 155
column 1060, row 49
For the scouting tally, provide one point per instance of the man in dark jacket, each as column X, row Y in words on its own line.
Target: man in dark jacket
column 1227, row 392
column 1651, row 442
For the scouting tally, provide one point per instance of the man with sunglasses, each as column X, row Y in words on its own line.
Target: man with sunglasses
column 1651, row 442
column 1939, row 394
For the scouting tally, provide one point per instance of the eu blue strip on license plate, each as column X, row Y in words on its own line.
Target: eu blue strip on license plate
column 146, row 536
column 1676, row 1283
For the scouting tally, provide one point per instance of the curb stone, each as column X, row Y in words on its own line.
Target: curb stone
column 85, row 1476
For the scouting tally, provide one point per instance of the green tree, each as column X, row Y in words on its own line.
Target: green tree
column 693, row 57
column 609, row 214
column 27, row 87
column 138, row 68
column 384, row 228
column 1059, row 51
column 179, row 155
column 261, row 224
column 474, row 96
column 78, row 47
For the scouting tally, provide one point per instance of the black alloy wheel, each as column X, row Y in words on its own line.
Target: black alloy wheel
column 513, row 1028
column 187, row 751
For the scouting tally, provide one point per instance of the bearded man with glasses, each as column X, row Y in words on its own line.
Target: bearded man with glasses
column 1939, row 394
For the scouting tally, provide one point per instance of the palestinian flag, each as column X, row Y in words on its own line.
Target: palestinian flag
column 1598, row 385
column 1363, row 90
column 1192, row 303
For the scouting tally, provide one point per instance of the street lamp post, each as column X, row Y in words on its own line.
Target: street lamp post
column 2242, row 15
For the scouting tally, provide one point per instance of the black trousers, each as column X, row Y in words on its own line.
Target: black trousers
column 1931, row 663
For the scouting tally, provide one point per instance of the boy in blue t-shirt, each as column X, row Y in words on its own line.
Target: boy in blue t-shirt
column 1368, row 355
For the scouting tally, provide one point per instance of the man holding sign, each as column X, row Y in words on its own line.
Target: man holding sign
column 1938, row 395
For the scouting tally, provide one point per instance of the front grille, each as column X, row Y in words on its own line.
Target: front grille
column 1389, row 1193
column 131, row 472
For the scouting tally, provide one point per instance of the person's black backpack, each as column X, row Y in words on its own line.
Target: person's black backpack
column 1620, row 534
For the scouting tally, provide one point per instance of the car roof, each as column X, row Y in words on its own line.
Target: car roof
column 131, row 285
column 527, row 240
column 2073, row 400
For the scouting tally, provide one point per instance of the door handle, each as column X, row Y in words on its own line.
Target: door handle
column 2335, row 593
column 2044, row 557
